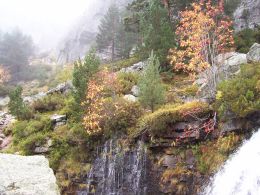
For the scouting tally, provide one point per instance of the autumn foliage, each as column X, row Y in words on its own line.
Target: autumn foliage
column 101, row 84
column 203, row 33
column 4, row 75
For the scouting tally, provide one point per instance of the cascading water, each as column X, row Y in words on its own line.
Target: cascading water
column 117, row 171
column 241, row 174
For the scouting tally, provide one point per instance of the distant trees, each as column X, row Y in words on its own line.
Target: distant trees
column 203, row 33
column 150, row 84
column 15, row 50
column 4, row 75
column 112, row 37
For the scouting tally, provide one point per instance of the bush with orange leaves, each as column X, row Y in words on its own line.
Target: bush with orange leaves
column 4, row 75
column 204, row 32
column 105, row 111
column 101, row 84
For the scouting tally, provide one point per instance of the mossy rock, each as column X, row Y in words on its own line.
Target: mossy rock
column 157, row 123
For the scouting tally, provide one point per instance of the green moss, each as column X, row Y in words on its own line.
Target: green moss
column 240, row 95
column 157, row 123
column 210, row 155
column 190, row 90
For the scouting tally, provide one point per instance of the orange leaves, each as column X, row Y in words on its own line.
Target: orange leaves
column 203, row 33
column 4, row 75
column 95, row 100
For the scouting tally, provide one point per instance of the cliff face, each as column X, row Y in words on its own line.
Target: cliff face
column 247, row 15
column 83, row 34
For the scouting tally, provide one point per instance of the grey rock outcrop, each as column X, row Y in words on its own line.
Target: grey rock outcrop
column 130, row 98
column 247, row 15
column 228, row 65
column 138, row 67
column 58, row 120
column 4, row 101
column 135, row 90
column 31, row 175
column 254, row 53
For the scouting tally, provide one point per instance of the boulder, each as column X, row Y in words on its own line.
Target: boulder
column 58, row 120
column 61, row 88
column 30, row 175
column 4, row 101
column 138, row 67
column 254, row 53
column 130, row 98
column 227, row 66
column 135, row 90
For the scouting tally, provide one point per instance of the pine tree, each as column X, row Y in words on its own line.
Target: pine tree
column 108, row 29
column 16, row 105
column 150, row 84
column 112, row 36
column 83, row 70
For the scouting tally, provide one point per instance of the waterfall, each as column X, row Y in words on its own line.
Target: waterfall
column 240, row 175
column 118, row 171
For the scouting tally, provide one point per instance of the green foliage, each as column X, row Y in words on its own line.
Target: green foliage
column 150, row 84
column 211, row 155
column 126, row 81
column 157, row 123
column 112, row 34
column 120, row 115
column 246, row 38
column 82, row 72
column 230, row 6
column 16, row 105
column 49, row 103
column 24, row 129
column 157, row 31
column 240, row 95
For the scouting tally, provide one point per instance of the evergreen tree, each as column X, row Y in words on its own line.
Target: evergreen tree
column 108, row 30
column 150, row 84
column 157, row 31
column 16, row 105
column 113, row 37
column 82, row 72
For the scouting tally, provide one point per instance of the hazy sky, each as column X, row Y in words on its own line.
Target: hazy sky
column 46, row 20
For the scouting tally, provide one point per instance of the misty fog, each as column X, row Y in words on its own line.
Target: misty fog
column 47, row 21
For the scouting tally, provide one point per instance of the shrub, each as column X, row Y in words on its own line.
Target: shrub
column 157, row 123
column 240, row 95
column 28, row 144
column 16, row 105
column 23, row 129
column 126, row 81
column 49, row 103
column 120, row 115
column 246, row 38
